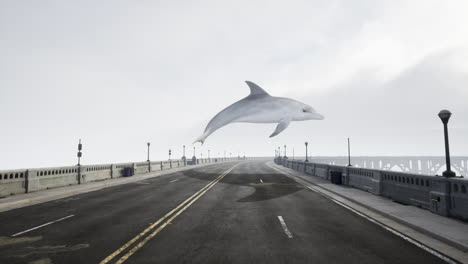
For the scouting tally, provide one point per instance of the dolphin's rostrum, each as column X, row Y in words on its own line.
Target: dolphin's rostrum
column 260, row 107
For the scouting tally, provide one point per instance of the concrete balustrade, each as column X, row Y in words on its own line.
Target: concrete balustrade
column 30, row 180
column 444, row 196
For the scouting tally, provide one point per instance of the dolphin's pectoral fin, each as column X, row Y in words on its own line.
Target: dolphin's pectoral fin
column 282, row 125
column 202, row 138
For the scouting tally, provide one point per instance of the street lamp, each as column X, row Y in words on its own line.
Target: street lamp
column 306, row 143
column 349, row 154
column 445, row 116
column 170, row 152
column 284, row 151
column 279, row 152
column 148, row 150
column 184, row 159
column 80, row 147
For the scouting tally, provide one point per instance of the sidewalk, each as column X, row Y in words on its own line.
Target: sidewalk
column 27, row 199
column 450, row 231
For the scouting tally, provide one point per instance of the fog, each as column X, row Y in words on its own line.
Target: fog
column 118, row 74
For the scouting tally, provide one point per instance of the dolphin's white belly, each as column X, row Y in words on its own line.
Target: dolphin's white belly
column 259, row 118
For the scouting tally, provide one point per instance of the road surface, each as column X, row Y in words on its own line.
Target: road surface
column 236, row 212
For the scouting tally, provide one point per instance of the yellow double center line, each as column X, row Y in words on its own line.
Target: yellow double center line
column 169, row 216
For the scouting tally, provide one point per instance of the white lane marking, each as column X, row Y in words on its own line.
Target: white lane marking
column 261, row 181
column 46, row 224
column 394, row 231
column 285, row 227
column 173, row 180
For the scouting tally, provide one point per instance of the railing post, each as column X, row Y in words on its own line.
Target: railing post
column 113, row 169
column 79, row 174
column 26, row 182
column 440, row 196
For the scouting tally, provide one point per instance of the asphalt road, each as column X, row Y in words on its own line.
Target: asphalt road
column 252, row 214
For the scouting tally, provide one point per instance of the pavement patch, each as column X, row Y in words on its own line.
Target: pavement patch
column 6, row 241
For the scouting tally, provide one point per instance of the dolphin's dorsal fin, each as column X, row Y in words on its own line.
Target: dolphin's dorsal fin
column 255, row 89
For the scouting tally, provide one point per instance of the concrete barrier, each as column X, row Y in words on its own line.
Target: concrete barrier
column 12, row 182
column 30, row 180
column 444, row 196
column 45, row 178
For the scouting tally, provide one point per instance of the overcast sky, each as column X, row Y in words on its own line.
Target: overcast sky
column 118, row 74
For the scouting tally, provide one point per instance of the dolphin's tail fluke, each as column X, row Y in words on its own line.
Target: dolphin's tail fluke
column 202, row 138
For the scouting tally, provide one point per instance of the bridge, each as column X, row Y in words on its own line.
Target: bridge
column 253, row 210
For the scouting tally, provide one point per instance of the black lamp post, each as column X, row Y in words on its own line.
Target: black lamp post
column 279, row 152
column 349, row 154
column 445, row 116
column 284, row 151
column 80, row 147
column 306, row 143
column 148, row 144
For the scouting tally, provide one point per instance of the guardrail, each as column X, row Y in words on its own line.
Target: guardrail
column 440, row 195
column 30, row 180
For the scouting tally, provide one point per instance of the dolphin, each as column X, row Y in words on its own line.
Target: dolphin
column 260, row 107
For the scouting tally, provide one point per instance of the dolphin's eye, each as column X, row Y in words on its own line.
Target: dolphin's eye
column 304, row 110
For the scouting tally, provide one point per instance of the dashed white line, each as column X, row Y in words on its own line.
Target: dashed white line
column 173, row 180
column 285, row 227
column 46, row 224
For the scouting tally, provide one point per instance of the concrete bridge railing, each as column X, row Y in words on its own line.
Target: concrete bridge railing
column 444, row 196
column 429, row 165
column 30, row 180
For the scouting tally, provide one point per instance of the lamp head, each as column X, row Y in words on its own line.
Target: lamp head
column 445, row 116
